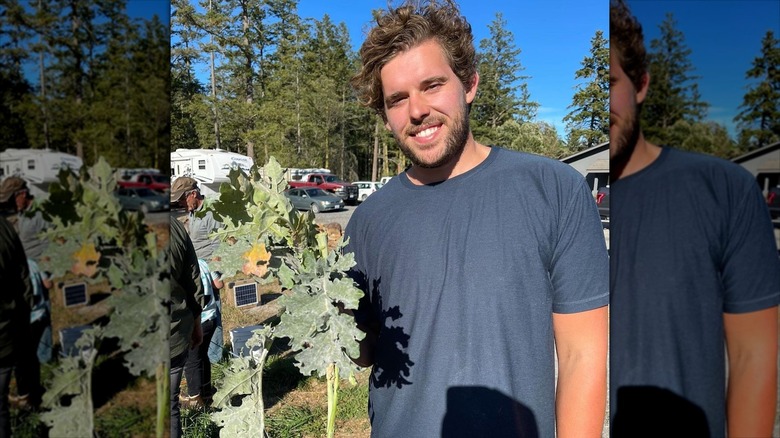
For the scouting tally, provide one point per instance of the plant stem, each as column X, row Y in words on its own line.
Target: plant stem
column 332, row 376
column 163, row 396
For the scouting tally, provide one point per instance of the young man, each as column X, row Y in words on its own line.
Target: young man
column 477, row 262
column 693, row 261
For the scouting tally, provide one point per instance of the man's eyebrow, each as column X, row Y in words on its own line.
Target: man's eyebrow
column 433, row 80
column 394, row 96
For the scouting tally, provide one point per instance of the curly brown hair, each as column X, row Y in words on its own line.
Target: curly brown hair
column 627, row 42
column 408, row 26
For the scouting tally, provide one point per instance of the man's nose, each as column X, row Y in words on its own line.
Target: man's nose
column 418, row 107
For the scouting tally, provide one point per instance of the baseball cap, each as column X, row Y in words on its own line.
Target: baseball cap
column 10, row 186
column 180, row 186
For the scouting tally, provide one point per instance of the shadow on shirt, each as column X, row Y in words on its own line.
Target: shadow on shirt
column 475, row 411
column 650, row 411
column 392, row 364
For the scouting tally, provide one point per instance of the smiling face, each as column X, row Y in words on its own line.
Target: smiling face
column 624, row 100
column 426, row 105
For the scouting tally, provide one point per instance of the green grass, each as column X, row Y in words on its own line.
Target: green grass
column 125, row 421
column 295, row 421
column 281, row 377
column 353, row 401
column 196, row 423
column 26, row 424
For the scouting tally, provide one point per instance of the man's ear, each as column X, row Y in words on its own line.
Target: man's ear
column 471, row 93
column 641, row 93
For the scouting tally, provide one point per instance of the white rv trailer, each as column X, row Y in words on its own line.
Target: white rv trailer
column 209, row 167
column 39, row 167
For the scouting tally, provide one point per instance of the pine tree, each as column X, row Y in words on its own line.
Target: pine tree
column 14, row 88
column 759, row 120
column 503, row 93
column 588, row 121
column 673, row 94
column 185, row 87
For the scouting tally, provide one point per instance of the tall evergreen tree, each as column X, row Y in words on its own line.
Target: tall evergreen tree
column 503, row 93
column 185, row 86
column 759, row 120
column 673, row 94
column 14, row 88
column 245, row 41
column 588, row 121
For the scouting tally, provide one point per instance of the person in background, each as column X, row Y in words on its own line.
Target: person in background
column 187, row 300
column 15, row 197
column 185, row 191
column 478, row 263
column 15, row 302
column 693, row 263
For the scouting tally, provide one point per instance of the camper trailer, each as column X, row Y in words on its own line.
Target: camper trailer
column 39, row 167
column 210, row 167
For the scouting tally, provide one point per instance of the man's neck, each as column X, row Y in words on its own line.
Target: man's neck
column 471, row 156
column 643, row 155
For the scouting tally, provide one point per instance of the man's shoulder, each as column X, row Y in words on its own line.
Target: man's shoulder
column 531, row 173
column 537, row 164
column 708, row 165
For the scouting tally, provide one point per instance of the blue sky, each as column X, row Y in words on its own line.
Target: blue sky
column 148, row 8
column 724, row 36
column 553, row 35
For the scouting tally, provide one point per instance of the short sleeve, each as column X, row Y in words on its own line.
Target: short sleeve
column 579, row 266
column 750, row 266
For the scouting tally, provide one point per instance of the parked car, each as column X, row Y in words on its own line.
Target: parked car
column 143, row 199
column 330, row 183
column 602, row 201
column 773, row 202
column 385, row 179
column 314, row 199
column 366, row 188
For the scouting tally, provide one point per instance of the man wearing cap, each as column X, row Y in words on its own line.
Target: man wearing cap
column 15, row 300
column 185, row 191
column 15, row 197
column 187, row 302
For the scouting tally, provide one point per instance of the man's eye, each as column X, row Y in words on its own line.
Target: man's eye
column 393, row 102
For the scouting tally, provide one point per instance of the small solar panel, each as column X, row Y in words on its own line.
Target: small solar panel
column 68, row 338
column 75, row 294
column 245, row 294
column 238, row 338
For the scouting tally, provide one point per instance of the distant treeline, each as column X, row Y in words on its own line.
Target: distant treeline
column 81, row 76
column 277, row 85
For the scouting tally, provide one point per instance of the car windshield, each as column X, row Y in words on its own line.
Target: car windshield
column 332, row 178
column 315, row 192
column 379, row 185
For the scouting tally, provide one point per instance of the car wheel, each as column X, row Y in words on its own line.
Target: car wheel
column 144, row 209
column 314, row 208
column 363, row 198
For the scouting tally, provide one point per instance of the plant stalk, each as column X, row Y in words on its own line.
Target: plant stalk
column 332, row 376
column 163, row 396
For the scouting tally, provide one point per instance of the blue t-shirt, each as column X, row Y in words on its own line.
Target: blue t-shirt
column 462, row 278
column 690, row 239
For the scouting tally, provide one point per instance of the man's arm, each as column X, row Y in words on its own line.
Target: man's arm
column 751, row 342
column 581, row 344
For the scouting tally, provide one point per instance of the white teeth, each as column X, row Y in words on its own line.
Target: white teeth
column 427, row 132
